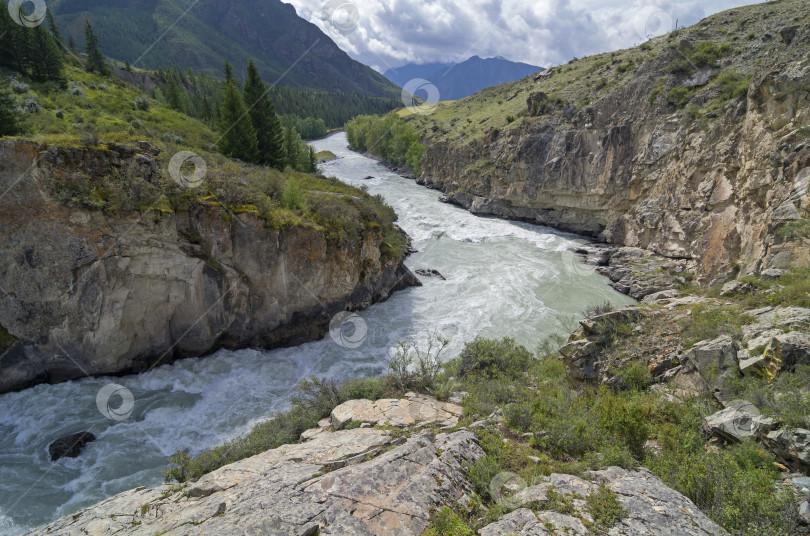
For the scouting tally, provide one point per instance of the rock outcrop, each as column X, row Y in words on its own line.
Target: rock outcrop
column 91, row 293
column 650, row 508
column 301, row 490
column 633, row 169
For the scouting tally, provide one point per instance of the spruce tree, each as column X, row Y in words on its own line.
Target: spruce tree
column 229, row 73
column 47, row 62
column 54, row 29
column 292, row 148
column 95, row 61
column 174, row 96
column 313, row 161
column 71, row 43
column 264, row 119
column 13, row 43
column 9, row 119
column 238, row 135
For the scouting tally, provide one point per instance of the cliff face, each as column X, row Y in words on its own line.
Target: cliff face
column 88, row 293
column 711, row 182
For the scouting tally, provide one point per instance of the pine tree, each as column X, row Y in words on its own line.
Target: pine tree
column 127, row 66
column 238, row 135
column 47, row 60
column 264, row 119
column 95, row 61
column 229, row 73
column 9, row 119
column 54, row 29
column 71, row 43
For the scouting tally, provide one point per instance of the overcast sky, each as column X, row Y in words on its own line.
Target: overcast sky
column 390, row 33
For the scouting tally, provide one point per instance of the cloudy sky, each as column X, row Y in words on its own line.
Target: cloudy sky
column 390, row 33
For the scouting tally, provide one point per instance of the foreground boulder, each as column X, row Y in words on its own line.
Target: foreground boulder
column 651, row 508
column 739, row 421
column 336, row 484
column 413, row 409
column 70, row 446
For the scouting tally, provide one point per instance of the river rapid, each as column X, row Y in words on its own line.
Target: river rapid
column 502, row 279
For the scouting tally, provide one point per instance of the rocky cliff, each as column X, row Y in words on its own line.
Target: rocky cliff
column 89, row 292
column 694, row 145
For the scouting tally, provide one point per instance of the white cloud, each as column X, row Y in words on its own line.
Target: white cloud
column 391, row 33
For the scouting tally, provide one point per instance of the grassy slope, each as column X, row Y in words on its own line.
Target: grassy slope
column 104, row 112
column 749, row 33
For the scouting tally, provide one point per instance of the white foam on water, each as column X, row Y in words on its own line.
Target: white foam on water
column 503, row 279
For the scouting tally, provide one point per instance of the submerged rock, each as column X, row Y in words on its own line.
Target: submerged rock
column 430, row 273
column 70, row 446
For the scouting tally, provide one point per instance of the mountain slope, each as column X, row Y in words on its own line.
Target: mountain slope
column 693, row 145
column 459, row 80
column 203, row 35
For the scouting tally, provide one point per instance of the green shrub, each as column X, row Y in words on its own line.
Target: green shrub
column 680, row 96
column 734, row 486
column 605, row 508
column 635, row 376
column 446, row 522
column 492, row 358
column 733, row 85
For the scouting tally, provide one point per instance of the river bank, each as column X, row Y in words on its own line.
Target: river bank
column 535, row 289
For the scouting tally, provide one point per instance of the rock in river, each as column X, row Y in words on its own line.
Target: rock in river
column 70, row 446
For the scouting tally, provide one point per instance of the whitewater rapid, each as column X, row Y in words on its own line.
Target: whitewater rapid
column 503, row 279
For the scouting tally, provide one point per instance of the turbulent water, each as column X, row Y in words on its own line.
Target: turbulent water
column 503, row 279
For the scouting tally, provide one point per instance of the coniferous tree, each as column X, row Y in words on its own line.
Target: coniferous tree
column 292, row 148
column 229, row 73
column 205, row 109
column 313, row 161
column 54, row 29
column 71, row 43
column 238, row 135
column 264, row 119
column 13, row 43
column 9, row 118
column 127, row 66
column 95, row 60
column 174, row 97
column 47, row 61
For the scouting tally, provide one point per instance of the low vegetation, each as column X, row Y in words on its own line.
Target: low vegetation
column 568, row 427
column 388, row 137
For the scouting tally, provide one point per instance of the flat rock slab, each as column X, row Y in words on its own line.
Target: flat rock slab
column 409, row 411
column 653, row 509
column 292, row 491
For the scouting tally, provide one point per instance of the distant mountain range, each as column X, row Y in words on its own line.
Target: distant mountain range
column 459, row 80
column 202, row 35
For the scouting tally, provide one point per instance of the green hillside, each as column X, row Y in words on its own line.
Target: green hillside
column 203, row 35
